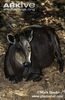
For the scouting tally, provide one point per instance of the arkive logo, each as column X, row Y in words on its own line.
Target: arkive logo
column 20, row 5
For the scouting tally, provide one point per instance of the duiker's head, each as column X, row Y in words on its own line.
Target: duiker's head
column 23, row 44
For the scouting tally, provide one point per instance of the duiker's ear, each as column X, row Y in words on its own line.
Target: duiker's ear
column 11, row 39
column 31, row 36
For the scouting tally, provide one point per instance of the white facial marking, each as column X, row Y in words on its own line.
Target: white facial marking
column 27, row 50
column 29, row 57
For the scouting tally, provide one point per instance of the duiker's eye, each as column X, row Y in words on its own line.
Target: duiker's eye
column 29, row 49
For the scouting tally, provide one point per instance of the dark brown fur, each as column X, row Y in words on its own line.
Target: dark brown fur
column 45, row 46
